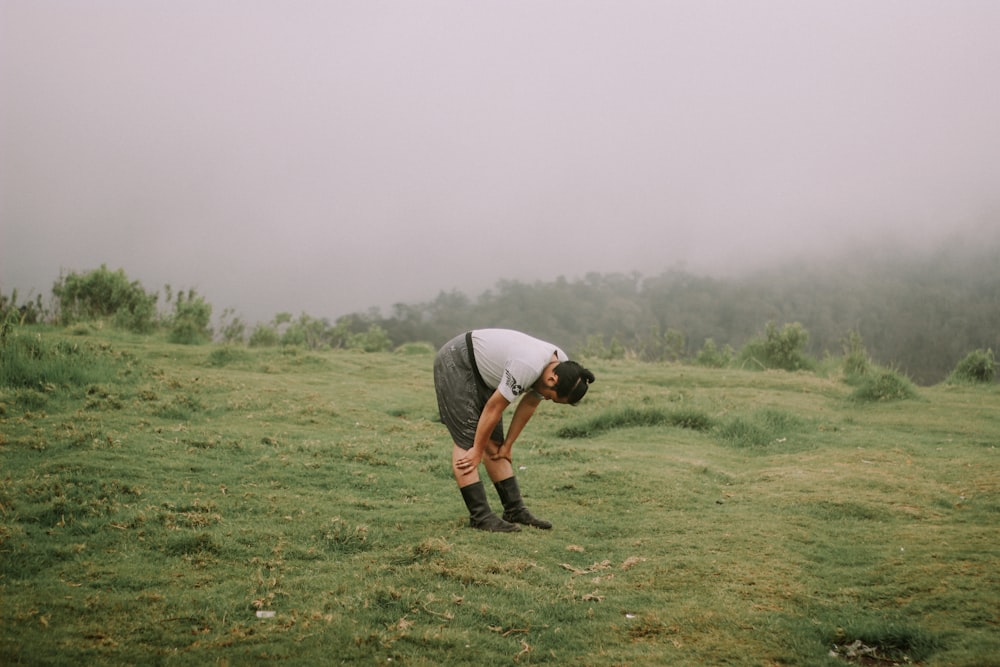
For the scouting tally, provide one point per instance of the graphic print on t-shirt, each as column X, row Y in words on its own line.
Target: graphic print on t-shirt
column 512, row 384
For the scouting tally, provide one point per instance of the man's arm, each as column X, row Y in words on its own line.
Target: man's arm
column 522, row 413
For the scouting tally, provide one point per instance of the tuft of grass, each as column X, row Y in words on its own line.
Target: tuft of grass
column 760, row 429
column 29, row 399
column 636, row 417
column 200, row 544
column 40, row 363
column 182, row 407
column 227, row 354
column 883, row 385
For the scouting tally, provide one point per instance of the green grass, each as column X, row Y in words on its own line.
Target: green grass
column 702, row 517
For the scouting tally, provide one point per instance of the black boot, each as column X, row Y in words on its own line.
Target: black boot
column 513, row 507
column 480, row 514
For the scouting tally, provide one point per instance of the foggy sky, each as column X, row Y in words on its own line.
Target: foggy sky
column 328, row 156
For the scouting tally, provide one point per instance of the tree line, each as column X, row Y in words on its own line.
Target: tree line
column 919, row 315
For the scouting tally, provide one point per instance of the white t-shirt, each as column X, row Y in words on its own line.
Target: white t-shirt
column 512, row 361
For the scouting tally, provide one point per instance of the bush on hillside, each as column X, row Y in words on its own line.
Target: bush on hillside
column 264, row 335
column 712, row 356
column 309, row 332
column 779, row 349
column 662, row 346
column 978, row 367
column 104, row 294
column 857, row 365
column 883, row 385
column 594, row 348
column 375, row 339
column 190, row 322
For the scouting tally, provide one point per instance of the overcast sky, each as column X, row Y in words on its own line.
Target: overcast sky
column 325, row 156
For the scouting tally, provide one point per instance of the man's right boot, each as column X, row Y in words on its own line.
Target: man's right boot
column 480, row 514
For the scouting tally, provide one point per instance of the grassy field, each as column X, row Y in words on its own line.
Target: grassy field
column 156, row 500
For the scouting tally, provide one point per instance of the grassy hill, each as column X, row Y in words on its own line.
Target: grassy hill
column 157, row 499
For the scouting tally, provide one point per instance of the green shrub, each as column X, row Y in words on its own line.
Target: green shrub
column 375, row 339
column 264, row 335
column 309, row 332
column 29, row 312
column 978, row 367
column 592, row 348
column 857, row 364
column 884, row 385
column 784, row 349
column 101, row 294
column 712, row 356
column 666, row 346
column 190, row 323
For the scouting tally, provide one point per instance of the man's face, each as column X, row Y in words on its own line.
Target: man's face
column 546, row 388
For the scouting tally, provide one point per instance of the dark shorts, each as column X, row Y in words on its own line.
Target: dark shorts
column 460, row 396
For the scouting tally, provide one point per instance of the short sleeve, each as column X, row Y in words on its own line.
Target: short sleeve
column 517, row 378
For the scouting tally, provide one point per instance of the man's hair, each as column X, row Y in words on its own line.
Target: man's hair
column 574, row 380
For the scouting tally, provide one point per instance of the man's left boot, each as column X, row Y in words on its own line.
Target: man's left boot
column 514, row 510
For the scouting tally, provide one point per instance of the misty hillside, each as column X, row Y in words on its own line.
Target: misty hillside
column 920, row 314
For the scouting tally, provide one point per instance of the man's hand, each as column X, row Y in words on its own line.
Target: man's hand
column 466, row 464
column 500, row 452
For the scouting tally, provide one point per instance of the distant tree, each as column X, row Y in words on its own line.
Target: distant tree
column 306, row 331
column 593, row 348
column 29, row 312
column 616, row 350
column 232, row 328
column 375, row 339
column 190, row 322
column 656, row 346
column 264, row 335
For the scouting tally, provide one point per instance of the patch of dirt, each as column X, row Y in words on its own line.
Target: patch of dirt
column 859, row 653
